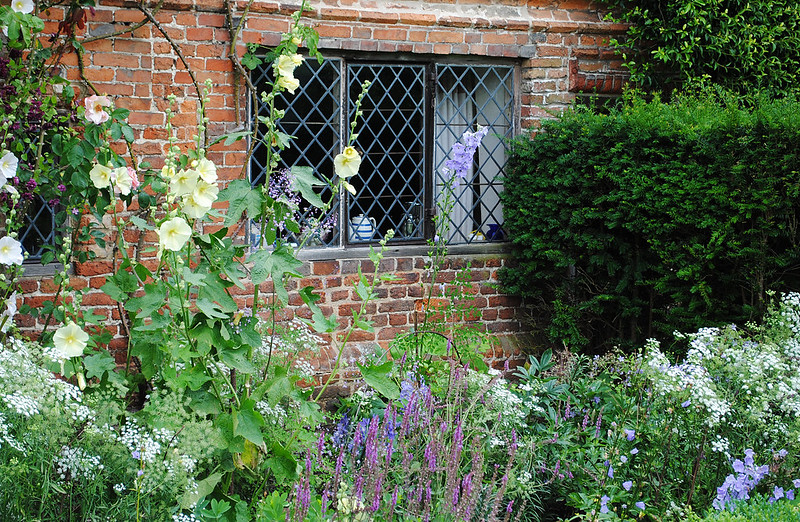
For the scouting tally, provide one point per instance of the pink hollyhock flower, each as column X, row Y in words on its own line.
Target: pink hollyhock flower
column 95, row 108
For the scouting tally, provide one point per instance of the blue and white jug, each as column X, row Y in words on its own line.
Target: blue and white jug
column 362, row 228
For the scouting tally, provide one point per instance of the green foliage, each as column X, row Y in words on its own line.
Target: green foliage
column 756, row 510
column 654, row 217
column 748, row 46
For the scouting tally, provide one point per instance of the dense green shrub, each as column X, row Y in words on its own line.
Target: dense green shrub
column 743, row 45
column 758, row 510
column 644, row 220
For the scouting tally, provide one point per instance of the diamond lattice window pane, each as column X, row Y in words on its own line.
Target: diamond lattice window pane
column 468, row 96
column 313, row 118
column 38, row 229
column 391, row 137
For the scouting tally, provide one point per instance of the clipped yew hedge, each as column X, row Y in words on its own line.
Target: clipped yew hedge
column 654, row 217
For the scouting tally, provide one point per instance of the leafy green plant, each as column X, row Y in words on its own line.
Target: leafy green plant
column 652, row 218
column 747, row 46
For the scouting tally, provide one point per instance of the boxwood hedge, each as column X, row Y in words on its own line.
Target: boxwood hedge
column 654, row 217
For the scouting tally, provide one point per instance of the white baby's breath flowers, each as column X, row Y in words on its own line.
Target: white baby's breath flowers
column 78, row 463
column 22, row 404
column 10, row 251
column 70, row 340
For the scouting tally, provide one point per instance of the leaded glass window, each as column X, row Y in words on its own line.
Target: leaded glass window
column 412, row 115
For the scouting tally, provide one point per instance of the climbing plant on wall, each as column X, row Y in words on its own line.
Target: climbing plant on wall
column 742, row 45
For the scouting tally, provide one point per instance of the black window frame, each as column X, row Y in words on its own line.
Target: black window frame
column 343, row 63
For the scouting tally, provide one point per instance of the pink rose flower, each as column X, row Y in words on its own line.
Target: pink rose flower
column 95, row 111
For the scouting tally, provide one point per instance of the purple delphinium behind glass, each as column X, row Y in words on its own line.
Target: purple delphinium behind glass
column 463, row 154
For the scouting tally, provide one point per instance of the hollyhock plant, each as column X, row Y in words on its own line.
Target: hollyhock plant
column 101, row 176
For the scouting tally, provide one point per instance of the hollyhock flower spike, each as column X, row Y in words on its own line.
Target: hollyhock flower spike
column 10, row 251
column 70, row 340
column 95, row 109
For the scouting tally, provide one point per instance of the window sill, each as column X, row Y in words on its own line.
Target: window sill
column 362, row 252
column 36, row 269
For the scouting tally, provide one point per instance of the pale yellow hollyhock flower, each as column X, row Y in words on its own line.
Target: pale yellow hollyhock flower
column 207, row 170
column 122, row 180
column 101, row 175
column 174, row 233
column 290, row 83
column 70, row 340
column 167, row 172
column 22, row 6
column 347, row 163
column 286, row 64
column 192, row 208
column 205, row 193
column 184, row 182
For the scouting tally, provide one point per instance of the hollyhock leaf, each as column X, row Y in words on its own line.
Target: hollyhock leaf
column 377, row 376
column 282, row 463
column 248, row 423
column 98, row 364
column 241, row 198
column 304, row 181
column 201, row 489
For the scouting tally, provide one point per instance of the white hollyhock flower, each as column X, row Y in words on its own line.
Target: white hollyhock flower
column 70, row 340
column 122, row 180
column 192, row 208
column 8, row 167
column 173, row 234
column 184, row 182
column 22, row 6
column 7, row 317
column 207, row 170
column 290, row 83
column 347, row 163
column 205, row 193
column 101, row 175
column 10, row 251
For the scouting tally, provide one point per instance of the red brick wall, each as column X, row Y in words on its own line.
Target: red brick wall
column 561, row 47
